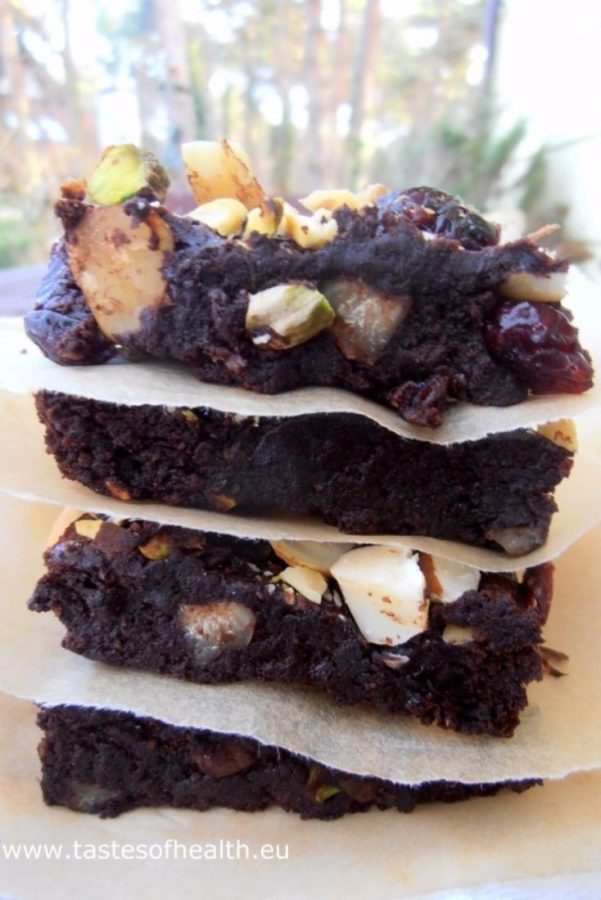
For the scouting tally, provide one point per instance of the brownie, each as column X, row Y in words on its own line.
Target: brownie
column 460, row 338
column 209, row 608
column 346, row 470
column 107, row 762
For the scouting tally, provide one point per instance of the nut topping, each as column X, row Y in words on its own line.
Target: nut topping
column 287, row 315
column 213, row 628
column 366, row 319
column 117, row 263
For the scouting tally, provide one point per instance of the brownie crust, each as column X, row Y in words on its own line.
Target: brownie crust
column 447, row 348
column 106, row 762
column 122, row 608
column 341, row 468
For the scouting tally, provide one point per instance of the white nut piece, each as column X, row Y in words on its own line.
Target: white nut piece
column 308, row 582
column 212, row 628
column 518, row 540
column 309, row 232
column 218, row 169
column 118, row 264
column 457, row 634
column 384, row 588
column 539, row 288
column 562, row 432
column 448, row 580
column 88, row 528
column 335, row 198
column 226, row 215
column 317, row 555
column 330, row 199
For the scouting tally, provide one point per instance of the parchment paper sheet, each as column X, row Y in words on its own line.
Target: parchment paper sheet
column 172, row 386
column 549, row 832
column 27, row 471
column 560, row 732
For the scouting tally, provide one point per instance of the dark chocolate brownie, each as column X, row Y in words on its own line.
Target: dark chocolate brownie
column 460, row 340
column 342, row 468
column 205, row 607
column 106, row 762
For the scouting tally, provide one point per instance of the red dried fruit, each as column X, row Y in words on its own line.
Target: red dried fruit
column 539, row 343
column 443, row 214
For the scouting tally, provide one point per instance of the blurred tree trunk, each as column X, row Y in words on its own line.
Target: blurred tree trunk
column 314, row 52
column 283, row 138
column 75, row 115
column 339, row 68
column 17, row 149
column 249, row 67
column 361, row 81
column 178, row 93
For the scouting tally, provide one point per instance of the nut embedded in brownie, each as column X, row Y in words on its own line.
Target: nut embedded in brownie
column 344, row 469
column 399, row 631
column 107, row 762
column 406, row 297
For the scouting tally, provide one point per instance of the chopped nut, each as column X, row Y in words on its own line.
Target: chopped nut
column 224, row 759
column 286, row 315
column 456, row 634
column 219, row 169
column 61, row 523
column 366, row 319
column 265, row 219
column 117, row 490
column 519, row 540
column 384, row 588
column 308, row 582
column 213, row 628
column 394, row 661
column 123, row 170
column 118, row 266
column 317, row 555
column 562, row 432
column 447, row 580
column 73, row 189
column 157, row 548
column 223, row 502
column 226, row 215
column 332, row 199
column 320, row 792
column 325, row 792
column 88, row 528
column 309, row 232
column 538, row 288
column 88, row 797
column 368, row 195
column 189, row 415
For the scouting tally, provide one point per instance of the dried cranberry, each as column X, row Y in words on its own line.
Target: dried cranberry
column 440, row 213
column 539, row 343
column 422, row 402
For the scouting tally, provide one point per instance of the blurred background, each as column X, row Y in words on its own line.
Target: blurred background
column 496, row 100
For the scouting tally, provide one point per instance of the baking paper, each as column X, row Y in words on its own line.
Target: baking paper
column 560, row 731
column 27, row 471
column 23, row 368
column 549, row 833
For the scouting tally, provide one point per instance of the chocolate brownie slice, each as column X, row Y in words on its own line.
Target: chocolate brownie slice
column 345, row 469
column 107, row 762
column 412, row 302
column 212, row 608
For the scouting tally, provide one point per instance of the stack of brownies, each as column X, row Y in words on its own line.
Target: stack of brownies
column 409, row 303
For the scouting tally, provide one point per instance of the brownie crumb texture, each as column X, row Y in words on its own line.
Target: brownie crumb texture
column 104, row 762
